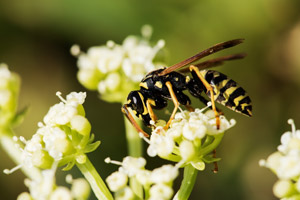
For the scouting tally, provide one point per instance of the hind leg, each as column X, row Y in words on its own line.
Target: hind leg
column 211, row 91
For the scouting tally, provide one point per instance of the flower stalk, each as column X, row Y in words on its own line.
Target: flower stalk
column 96, row 182
column 187, row 184
column 135, row 145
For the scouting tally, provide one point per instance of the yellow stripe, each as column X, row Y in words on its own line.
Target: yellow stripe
column 152, row 102
column 238, row 99
column 144, row 85
column 158, row 84
column 144, row 106
column 229, row 91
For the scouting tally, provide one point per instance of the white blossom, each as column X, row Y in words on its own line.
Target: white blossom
column 160, row 191
column 124, row 194
column 81, row 189
column 164, row 174
column 42, row 189
column 285, row 163
column 182, row 141
column 63, row 112
column 108, row 68
column 157, row 182
column 160, row 143
column 116, row 181
column 144, row 177
column 131, row 165
column 61, row 193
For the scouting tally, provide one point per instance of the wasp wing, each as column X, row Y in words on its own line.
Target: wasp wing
column 214, row 62
column 209, row 51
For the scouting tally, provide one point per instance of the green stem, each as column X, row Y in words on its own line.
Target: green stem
column 133, row 139
column 9, row 146
column 96, row 182
column 135, row 149
column 187, row 184
column 209, row 148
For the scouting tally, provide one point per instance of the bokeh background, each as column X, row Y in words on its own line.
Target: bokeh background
column 35, row 38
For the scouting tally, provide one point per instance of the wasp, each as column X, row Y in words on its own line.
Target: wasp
column 162, row 85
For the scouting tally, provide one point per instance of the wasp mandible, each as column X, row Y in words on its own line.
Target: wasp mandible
column 164, row 84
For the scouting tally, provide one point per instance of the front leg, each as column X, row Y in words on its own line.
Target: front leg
column 132, row 120
column 175, row 101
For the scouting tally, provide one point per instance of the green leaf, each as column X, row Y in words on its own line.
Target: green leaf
column 69, row 166
column 92, row 147
column 19, row 117
column 210, row 159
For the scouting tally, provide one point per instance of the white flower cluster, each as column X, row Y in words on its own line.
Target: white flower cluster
column 9, row 91
column 115, row 70
column 46, row 188
column 157, row 184
column 63, row 138
column 285, row 163
column 191, row 137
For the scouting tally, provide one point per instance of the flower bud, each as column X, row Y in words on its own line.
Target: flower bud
column 81, row 125
column 24, row 196
column 42, row 159
column 88, row 78
column 124, row 194
column 61, row 193
column 117, row 181
column 80, row 189
column 187, row 150
column 283, row 188
column 64, row 146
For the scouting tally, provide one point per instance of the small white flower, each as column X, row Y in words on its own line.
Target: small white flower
column 193, row 130
column 75, row 98
column 124, row 194
column 24, row 196
column 283, row 188
column 285, row 163
column 131, row 166
column 187, row 150
column 5, row 75
column 289, row 167
column 164, row 174
column 117, row 181
column 52, row 136
column 61, row 193
column 112, row 81
column 160, row 191
column 5, row 97
column 144, row 177
column 160, row 144
column 63, row 112
column 60, row 114
column 107, row 67
column 81, row 189
column 42, row 189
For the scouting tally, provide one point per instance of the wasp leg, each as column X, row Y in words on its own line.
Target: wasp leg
column 150, row 110
column 211, row 91
column 216, row 168
column 190, row 108
column 175, row 101
column 132, row 121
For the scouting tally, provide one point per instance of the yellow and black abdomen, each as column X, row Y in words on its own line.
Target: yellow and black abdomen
column 227, row 92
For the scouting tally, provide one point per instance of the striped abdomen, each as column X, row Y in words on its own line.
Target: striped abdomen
column 227, row 92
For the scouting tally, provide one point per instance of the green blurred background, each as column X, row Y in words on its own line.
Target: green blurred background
column 35, row 38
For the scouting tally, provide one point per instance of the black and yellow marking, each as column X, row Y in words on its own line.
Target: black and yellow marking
column 228, row 93
column 143, row 85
